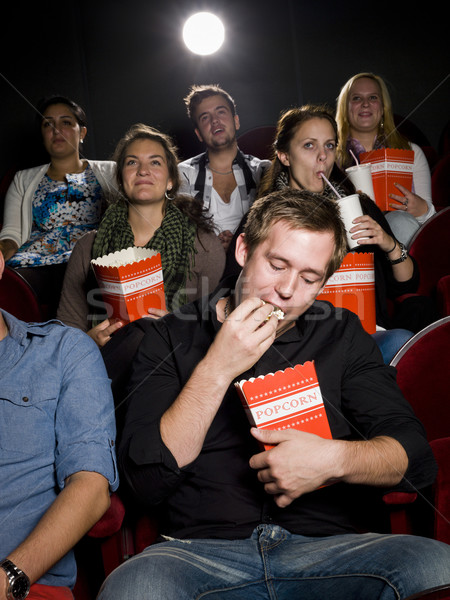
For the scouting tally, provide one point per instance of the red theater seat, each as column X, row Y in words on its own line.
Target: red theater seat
column 422, row 374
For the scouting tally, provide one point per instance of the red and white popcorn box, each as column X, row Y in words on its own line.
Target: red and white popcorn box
column 389, row 166
column 131, row 281
column 352, row 286
column 289, row 399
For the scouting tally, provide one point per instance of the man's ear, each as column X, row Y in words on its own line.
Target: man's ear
column 197, row 133
column 241, row 250
column 237, row 123
column 283, row 158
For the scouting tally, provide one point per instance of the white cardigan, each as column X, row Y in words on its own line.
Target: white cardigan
column 422, row 181
column 18, row 216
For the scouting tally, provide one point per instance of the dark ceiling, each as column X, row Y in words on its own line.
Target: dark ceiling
column 124, row 62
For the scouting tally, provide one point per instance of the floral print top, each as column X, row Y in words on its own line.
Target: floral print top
column 62, row 212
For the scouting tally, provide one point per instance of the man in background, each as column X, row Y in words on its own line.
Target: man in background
column 223, row 178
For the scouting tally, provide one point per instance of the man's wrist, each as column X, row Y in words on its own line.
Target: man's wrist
column 17, row 586
column 214, row 372
column 4, row 582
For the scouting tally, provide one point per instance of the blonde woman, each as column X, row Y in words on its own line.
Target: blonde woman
column 366, row 122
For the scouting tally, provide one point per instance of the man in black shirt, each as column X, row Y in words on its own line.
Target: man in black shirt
column 247, row 523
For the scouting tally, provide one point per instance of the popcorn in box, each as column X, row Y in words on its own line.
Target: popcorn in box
column 289, row 399
column 389, row 166
column 131, row 281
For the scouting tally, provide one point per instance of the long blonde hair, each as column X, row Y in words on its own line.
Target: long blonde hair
column 388, row 134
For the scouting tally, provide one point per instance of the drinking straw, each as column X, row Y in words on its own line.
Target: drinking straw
column 356, row 160
column 334, row 190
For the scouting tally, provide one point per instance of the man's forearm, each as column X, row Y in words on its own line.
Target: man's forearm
column 302, row 462
column 81, row 503
column 381, row 461
column 185, row 424
column 240, row 342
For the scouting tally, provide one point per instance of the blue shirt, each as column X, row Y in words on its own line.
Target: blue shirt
column 56, row 418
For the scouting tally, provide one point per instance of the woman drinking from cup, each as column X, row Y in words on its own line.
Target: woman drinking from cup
column 304, row 158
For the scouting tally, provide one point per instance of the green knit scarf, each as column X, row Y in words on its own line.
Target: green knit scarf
column 174, row 239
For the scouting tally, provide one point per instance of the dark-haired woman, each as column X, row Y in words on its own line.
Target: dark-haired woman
column 304, row 151
column 47, row 208
column 148, row 213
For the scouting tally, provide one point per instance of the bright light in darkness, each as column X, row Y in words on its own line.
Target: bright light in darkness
column 203, row 33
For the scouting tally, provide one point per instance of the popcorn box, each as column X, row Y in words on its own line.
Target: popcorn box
column 352, row 286
column 131, row 281
column 389, row 166
column 289, row 399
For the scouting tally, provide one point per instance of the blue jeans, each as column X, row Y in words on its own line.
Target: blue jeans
column 390, row 341
column 275, row 565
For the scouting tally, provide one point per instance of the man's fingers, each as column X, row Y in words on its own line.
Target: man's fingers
column 156, row 313
column 246, row 308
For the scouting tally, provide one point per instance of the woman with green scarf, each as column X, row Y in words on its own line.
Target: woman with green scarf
column 148, row 213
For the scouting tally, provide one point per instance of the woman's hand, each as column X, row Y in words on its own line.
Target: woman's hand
column 367, row 231
column 101, row 333
column 409, row 202
column 225, row 237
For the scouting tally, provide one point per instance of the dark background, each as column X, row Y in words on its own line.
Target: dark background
column 125, row 62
